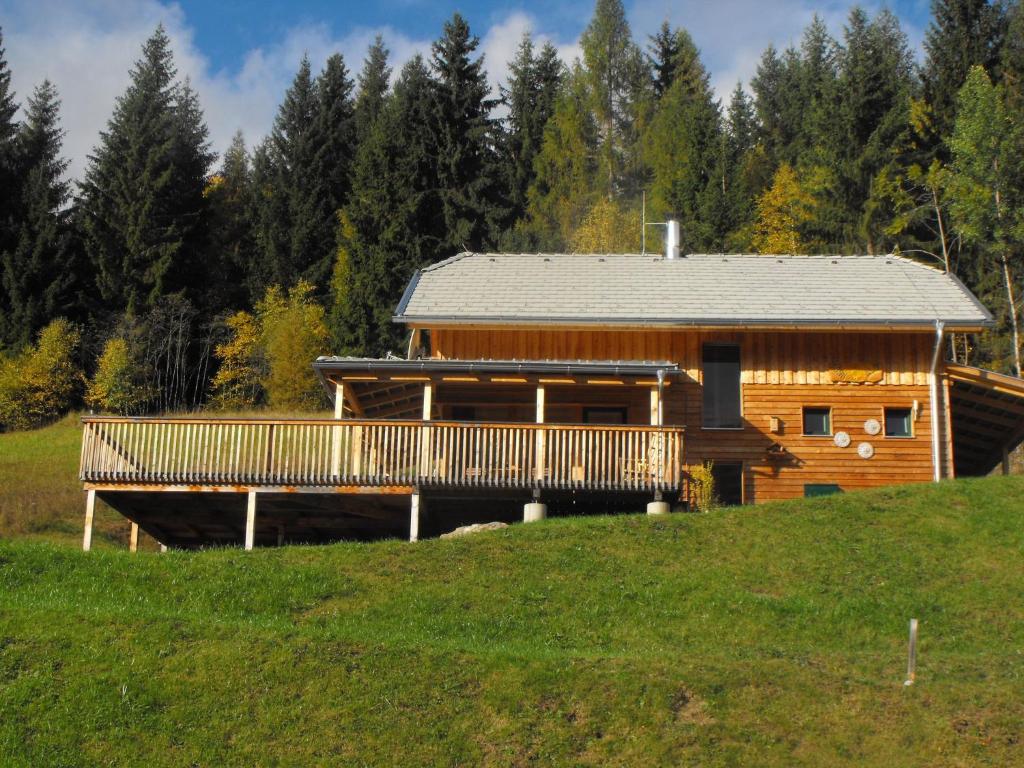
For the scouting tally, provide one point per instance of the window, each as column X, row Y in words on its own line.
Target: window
column 820, row 489
column 728, row 477
column 604, row 415
column 898, row 422
column 721, row 364
column 818, row 422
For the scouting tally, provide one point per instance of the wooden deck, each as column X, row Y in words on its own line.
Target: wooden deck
column 367, row 456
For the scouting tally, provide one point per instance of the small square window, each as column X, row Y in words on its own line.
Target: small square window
column 898, row 422
column 818, row 422
column 813, row 490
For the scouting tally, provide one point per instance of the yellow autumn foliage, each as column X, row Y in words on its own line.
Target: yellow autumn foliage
column 608, row 228
column 119, row 384
column 43, row 382
column 782, row 210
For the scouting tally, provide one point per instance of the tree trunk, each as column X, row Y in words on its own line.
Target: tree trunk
column 1008, row 280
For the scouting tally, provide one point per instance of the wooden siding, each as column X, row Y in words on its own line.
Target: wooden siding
column 767, row 358
column 781, row 372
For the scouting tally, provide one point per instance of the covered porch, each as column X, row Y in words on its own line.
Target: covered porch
column 406, row 437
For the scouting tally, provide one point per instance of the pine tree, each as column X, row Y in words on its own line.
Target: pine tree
column 337, row 129
column 1012, row 61
column 37, row 273
column 744, row 170
column 467, row 168
column 373, row 88
column 962, row 34
column 142, row 197
column 777, row 98
column 530, row 96
column 817, row 138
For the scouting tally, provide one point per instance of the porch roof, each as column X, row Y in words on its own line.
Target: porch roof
column 394, row 386
column 987, row 410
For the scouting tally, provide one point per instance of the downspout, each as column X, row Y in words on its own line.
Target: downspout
column 933, row 383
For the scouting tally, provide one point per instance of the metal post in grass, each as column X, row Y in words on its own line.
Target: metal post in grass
column 912, row 654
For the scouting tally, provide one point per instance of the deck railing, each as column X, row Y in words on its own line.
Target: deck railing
column 325, row 452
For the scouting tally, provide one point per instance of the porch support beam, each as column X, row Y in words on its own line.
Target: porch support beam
column 133, row 538
column 250, row 521
column 90, row 508
column 541, row 436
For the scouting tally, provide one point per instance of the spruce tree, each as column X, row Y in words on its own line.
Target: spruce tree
column 373, row 88
column 37, row 274
column 530, row 96
column 962, row 34
column 467, row 167
column 393, row 223
column 231, row 249
column 142, row 198
column 10, row 181
column 663, row 51
column 683, row 150
column 780, row 113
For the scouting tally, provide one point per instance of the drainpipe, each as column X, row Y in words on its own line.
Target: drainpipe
column 933, row 383
column 661, row 397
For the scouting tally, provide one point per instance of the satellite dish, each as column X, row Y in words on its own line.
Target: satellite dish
column 842, row 439
column 872, row 427
column 866, row 450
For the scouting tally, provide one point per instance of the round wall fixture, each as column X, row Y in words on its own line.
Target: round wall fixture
column 866, row 450
column 872, row 427
column 842, row 439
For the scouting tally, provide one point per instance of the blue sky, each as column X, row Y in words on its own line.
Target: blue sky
column 241, row 56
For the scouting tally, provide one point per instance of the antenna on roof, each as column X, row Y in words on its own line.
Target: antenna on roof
column 671, row 237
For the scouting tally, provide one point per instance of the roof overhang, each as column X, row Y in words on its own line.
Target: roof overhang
column 393, row 387
column 987, row 414
column 619, row 323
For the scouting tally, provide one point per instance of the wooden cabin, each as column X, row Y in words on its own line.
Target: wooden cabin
column 538, row 384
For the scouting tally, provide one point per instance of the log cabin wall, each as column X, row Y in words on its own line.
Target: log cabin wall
column 781, row 373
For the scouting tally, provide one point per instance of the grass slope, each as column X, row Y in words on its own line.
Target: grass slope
column 756, row 636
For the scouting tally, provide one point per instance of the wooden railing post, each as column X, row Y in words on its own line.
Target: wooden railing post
column 339, row 413
column 424, row 464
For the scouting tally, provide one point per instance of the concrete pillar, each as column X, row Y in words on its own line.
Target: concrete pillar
column 90, row 507
column 133, row 538
column 657, row 508
column 534, row 511
column 250, row 521
column 414, row 517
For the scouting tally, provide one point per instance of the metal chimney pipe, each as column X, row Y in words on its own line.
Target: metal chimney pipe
column 672, row 239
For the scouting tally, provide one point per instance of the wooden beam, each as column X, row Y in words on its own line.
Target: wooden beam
column 250, row 521
column 90, row 507
column 428, row 400
column 541, row 437
column 133, row 538
column 655, row 407
column 339, row 400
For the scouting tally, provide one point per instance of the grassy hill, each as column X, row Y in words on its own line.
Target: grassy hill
column 759, row 636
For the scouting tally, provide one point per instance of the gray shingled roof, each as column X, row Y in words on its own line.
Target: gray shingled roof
column 695, row 290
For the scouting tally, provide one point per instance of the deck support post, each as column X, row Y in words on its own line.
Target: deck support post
column 541, row 436
column 414, row 516
column 133, row 538
column 280, row 535
column 250, row 521
column 90, row 508
column 163, row 549
column 425, row 436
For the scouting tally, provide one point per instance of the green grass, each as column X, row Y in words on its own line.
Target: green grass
column 768, row 636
